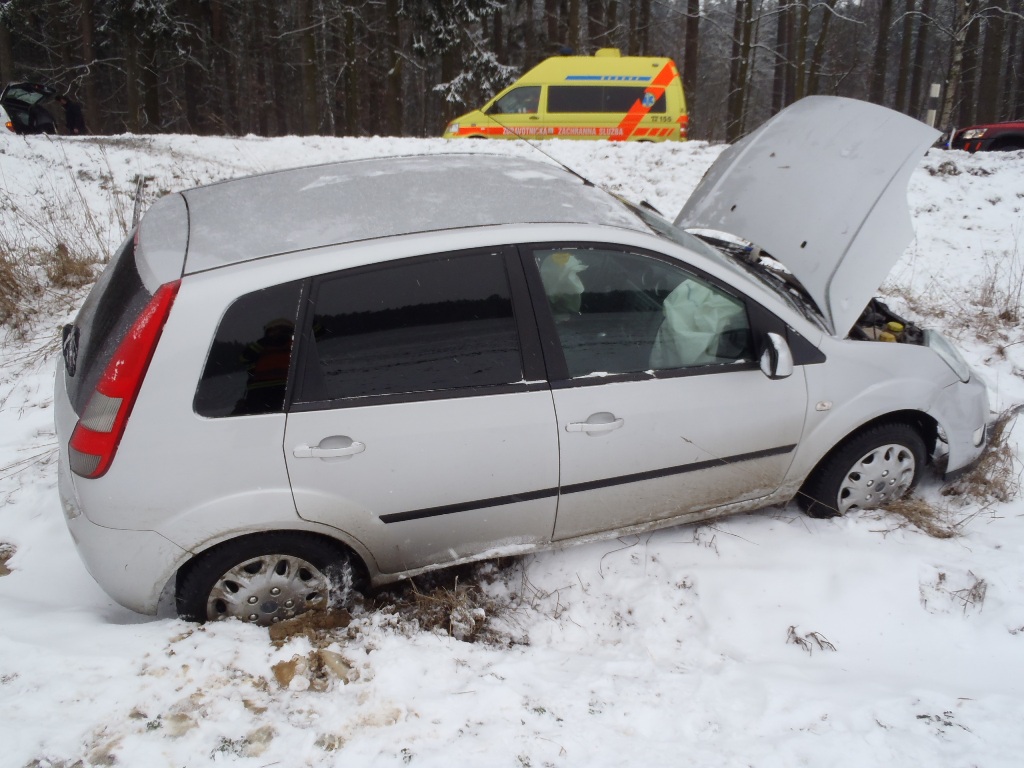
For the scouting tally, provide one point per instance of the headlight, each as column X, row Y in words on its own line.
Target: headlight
column 974, row 133
column 950, row 354
column 452, row 128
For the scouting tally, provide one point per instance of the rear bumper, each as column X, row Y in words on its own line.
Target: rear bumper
column 131, row 566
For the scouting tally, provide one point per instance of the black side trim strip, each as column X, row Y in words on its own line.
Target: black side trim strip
column 466, row 506
column 677, row 470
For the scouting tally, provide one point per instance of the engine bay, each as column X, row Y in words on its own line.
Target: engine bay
column 879, row 323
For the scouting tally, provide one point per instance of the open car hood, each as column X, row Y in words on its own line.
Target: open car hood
column 822, row 188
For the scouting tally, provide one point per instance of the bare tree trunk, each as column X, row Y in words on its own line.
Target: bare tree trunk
column 634, row 23
column 969, row 73
column 920, row 51
column 818, row 54
column 351, row 75
column 876, row 91
column 956, row 64
column 223, row 55
column 991, row 65
column 6, row 55
column 150, row 85
column 281, row 99
column 691, row 55
column 731, row 108
column 572, row 35
column 131, row 74
column 803, row 13
column 645, row 27
column 393, row 96
column 1011, row 75
column 738, row 66
column 307, row 68
column 551, row 19
column 192, row 77
column 530, row 37
column 1018, row 105
column 497, row 33
column 779, row 79
column 612, row 22
column 258, row 51
column 85, row 29
column 596, row 27
column 906, row 47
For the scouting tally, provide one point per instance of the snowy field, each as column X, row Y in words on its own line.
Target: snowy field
column 763, row 639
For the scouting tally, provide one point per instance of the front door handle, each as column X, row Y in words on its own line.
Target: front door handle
column 596, row 424
column 334, row 447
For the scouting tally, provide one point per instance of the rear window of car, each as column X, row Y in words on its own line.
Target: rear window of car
column 113, row 305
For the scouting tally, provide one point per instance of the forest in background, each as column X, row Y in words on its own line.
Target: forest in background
column 406, row 67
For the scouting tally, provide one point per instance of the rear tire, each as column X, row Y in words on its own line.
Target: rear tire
column 869, row 470
column 267, row 578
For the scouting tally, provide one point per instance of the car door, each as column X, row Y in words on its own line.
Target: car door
column 519, row 111
column 662, row 409
column 420, row 423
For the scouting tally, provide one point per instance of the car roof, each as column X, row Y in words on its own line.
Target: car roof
column 293, row 210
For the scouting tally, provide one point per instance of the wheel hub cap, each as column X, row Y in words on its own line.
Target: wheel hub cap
column 268, row 589
column 878, row 477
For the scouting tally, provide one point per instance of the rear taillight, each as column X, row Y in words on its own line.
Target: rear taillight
column 98, row 432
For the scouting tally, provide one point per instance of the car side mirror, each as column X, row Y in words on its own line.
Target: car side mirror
column 777, row 359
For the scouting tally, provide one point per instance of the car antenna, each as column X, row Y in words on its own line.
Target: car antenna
column 555, row 160
column 563, row 166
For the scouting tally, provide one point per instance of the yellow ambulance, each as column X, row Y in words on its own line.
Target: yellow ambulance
column 604, row 96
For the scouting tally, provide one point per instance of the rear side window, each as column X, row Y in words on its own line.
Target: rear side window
column 598, row 98
column 113, row 305
column 436, row 324
column 247, row 369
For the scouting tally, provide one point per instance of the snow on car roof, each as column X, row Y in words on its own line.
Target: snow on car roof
column 285, row 211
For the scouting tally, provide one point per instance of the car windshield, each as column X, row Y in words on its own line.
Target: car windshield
column 738, row 257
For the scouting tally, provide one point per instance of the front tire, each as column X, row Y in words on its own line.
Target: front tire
column 267, row 578
column 868, row 471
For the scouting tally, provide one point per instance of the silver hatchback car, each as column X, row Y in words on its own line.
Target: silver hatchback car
column 289, row 387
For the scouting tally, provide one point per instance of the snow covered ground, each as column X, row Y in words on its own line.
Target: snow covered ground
column 764, row 639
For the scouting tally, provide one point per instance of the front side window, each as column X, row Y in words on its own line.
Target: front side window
column 519, row 101
column 442, row 323
column 621, row 312
column 247, row 368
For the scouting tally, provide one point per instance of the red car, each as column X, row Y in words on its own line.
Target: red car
column 1004, row 137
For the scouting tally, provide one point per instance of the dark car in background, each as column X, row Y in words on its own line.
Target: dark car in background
column 1005, row 137
column 25, row 112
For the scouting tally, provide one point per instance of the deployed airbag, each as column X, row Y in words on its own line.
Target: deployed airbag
column 696, row 328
